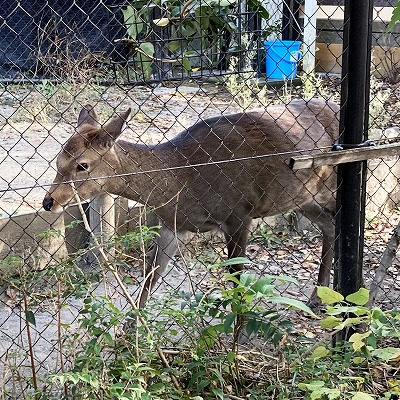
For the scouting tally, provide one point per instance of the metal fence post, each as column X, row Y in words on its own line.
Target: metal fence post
column 351, row 176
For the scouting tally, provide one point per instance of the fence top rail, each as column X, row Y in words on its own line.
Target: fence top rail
column 345, row 156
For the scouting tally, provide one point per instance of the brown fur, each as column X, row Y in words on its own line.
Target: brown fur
column 190, row 191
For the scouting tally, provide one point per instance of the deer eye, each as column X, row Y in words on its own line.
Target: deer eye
column 82, row 167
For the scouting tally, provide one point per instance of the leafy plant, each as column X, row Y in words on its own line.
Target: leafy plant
column 245, row 302
column 378, row 115
column 265, row 235
column 352, row 368
column 395, row 17
column 117, row 359
column 195, row 28
column 313, row 86
column 242, row 83
column 136, row 239
column 105, row 365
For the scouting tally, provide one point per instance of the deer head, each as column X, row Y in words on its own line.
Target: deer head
column 86, row 160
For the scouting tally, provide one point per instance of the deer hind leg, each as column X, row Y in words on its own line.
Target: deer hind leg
column 236, row 233
column 165, row 247
column 324, row 219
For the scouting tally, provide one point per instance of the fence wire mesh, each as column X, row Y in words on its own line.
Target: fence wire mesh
column 174, row 64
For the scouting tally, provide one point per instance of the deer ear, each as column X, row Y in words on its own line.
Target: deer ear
column 87, row 116
column 114, row 126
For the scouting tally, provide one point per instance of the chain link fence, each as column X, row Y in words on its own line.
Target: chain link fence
column 71, row 276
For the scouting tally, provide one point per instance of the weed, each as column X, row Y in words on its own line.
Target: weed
column 203, row 345
column 313, row 86
column 135, row 240
column 265, row 235
column 242, row 83
column 378, row 115
column 114, row 353
column 352, row 369
column 48, row 102
column 113, row 362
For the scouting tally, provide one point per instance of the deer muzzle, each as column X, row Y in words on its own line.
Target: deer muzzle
column 48, row 202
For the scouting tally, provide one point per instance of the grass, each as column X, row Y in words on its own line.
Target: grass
column 50, row 103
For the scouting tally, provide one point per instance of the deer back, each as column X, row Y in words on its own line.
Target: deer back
column 239, row 164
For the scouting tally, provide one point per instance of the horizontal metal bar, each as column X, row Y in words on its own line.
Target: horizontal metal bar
column 344, row 156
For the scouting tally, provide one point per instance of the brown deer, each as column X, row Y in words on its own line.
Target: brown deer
column 218, row 174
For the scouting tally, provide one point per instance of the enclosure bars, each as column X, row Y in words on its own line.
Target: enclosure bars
column 290, row 19
column 351, row 176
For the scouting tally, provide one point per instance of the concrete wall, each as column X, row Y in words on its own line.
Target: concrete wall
column 43, row 237
column 386, row 52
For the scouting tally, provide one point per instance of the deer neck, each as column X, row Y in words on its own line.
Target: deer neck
column 141, row 174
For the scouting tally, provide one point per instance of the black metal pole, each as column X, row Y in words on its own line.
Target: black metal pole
column 290, row 20
column 351, row 176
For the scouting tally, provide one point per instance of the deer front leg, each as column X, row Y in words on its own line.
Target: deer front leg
column 236, row 233
column 323, row 218
column 165, row 247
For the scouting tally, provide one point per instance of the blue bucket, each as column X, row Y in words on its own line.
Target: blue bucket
column 282, row 57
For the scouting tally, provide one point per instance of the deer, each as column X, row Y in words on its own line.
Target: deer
column 219, row 174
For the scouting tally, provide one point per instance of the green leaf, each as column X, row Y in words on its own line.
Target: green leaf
column 202, row 385
column 362, row 396
column 359, row 360
column 213, row 311
column 30, row 317
column 319, row 352
column 134, row 24
column 174, row 46
column 84, row 377
column 332, row 393
column 329, row 296
column 235, row 261
column 72, row 377
column 258, row 8
column 283, row 279
column 247, row 279
column 358, row 340
column 253, row 326
column 337, row 310
column 218, row 393
column 146, row 59
column 331, row 322
column 231, row 357
column 204, row 21
column 349, row 322
column 386, row 354
column 145, row 64
column 189, row 30
column 269, row 331
column 360, row 298
column 157, row 388
column 228, row 323
column 108, row 339
column 312, row 385
column 292, row 303
column 62, row 378
column 147, row 48
column 161, row 21
column 395, row 17
column 209, row 335
column 263, row 286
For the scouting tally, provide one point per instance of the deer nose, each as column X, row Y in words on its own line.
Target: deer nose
column 48, row 203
